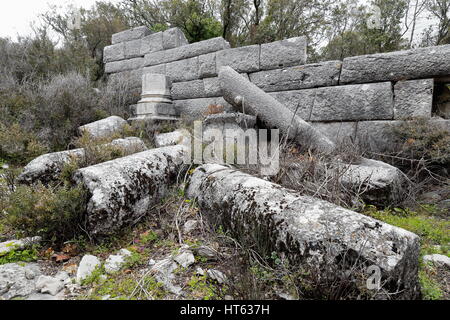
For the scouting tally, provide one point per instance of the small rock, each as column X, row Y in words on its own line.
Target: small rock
column 437, row 259
column 164, row 273
column 206, row 252
column 217, row 275
column 46, row 284
column 14, row 281
column 200, row 272
column 87, row 266
column 185, row 259
column 125, row 253
column 151, row 262
column 229, row 298
column 11, row 245
column 62, row 276
column 190, row 226
column 114, row 263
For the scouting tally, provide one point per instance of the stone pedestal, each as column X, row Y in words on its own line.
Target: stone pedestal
column 156, row 101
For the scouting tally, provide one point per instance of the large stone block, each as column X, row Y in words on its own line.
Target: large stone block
column 123, row 190
column 323, row 74
column 186, row 52
column 133, row 49
column 188, row 90
column 283, row 53
column 115, row 52
column 152, row 43
column 104, row 127
column 212, row 87
column 413, row 99
column 338, row 132
column 400, row 65
column 159, row 69
column 310, row 234
column 243, row 59
column 124, row 65
column 131, row 34
column 207, row 65
column 174, row 38
column 300, row 102
column 198, row 108
column 380, row 136
column 183, row 70
column 354, row 102
column 249, row 99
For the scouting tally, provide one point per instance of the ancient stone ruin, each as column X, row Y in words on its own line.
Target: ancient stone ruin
column 269, row 86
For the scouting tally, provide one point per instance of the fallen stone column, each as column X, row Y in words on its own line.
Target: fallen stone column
column 400, row 65
column 121, row 191
column 248, row 98
column 48, row 167
column 308, row 232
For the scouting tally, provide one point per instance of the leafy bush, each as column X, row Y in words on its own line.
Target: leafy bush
column 18, row 145
column 55, row 214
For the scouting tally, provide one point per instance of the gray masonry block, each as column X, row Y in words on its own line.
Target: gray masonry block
column 321, row 74
column 133, row 49
column 198, row 108
column 160, row 69
column 115, row 52
column 284, row 53
column 413, row 99
column 187, row 51
column 174, row 38
column 183, row 70
column 124, row 65
column 400, row 65
column 379, row 136
column 188, row 90
column 207, row 65
column 131, row 34
column 152, row 43
column 212, row 87
column 298, row 101
column 243, row 59
column 338, row 132
column 202, row 88
column 354, row 102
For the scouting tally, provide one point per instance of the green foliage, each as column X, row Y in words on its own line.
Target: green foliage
column 431, row 289
column 125, row 287
column 201, row 288
column 431, row 229
column 55, row 214
column 28, row 255
column 18, row 146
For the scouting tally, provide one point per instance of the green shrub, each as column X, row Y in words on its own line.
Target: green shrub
column 17, row 145
column 55, row 214
column 28, row 255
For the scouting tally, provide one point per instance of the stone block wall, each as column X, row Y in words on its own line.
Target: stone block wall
column 379, row 88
